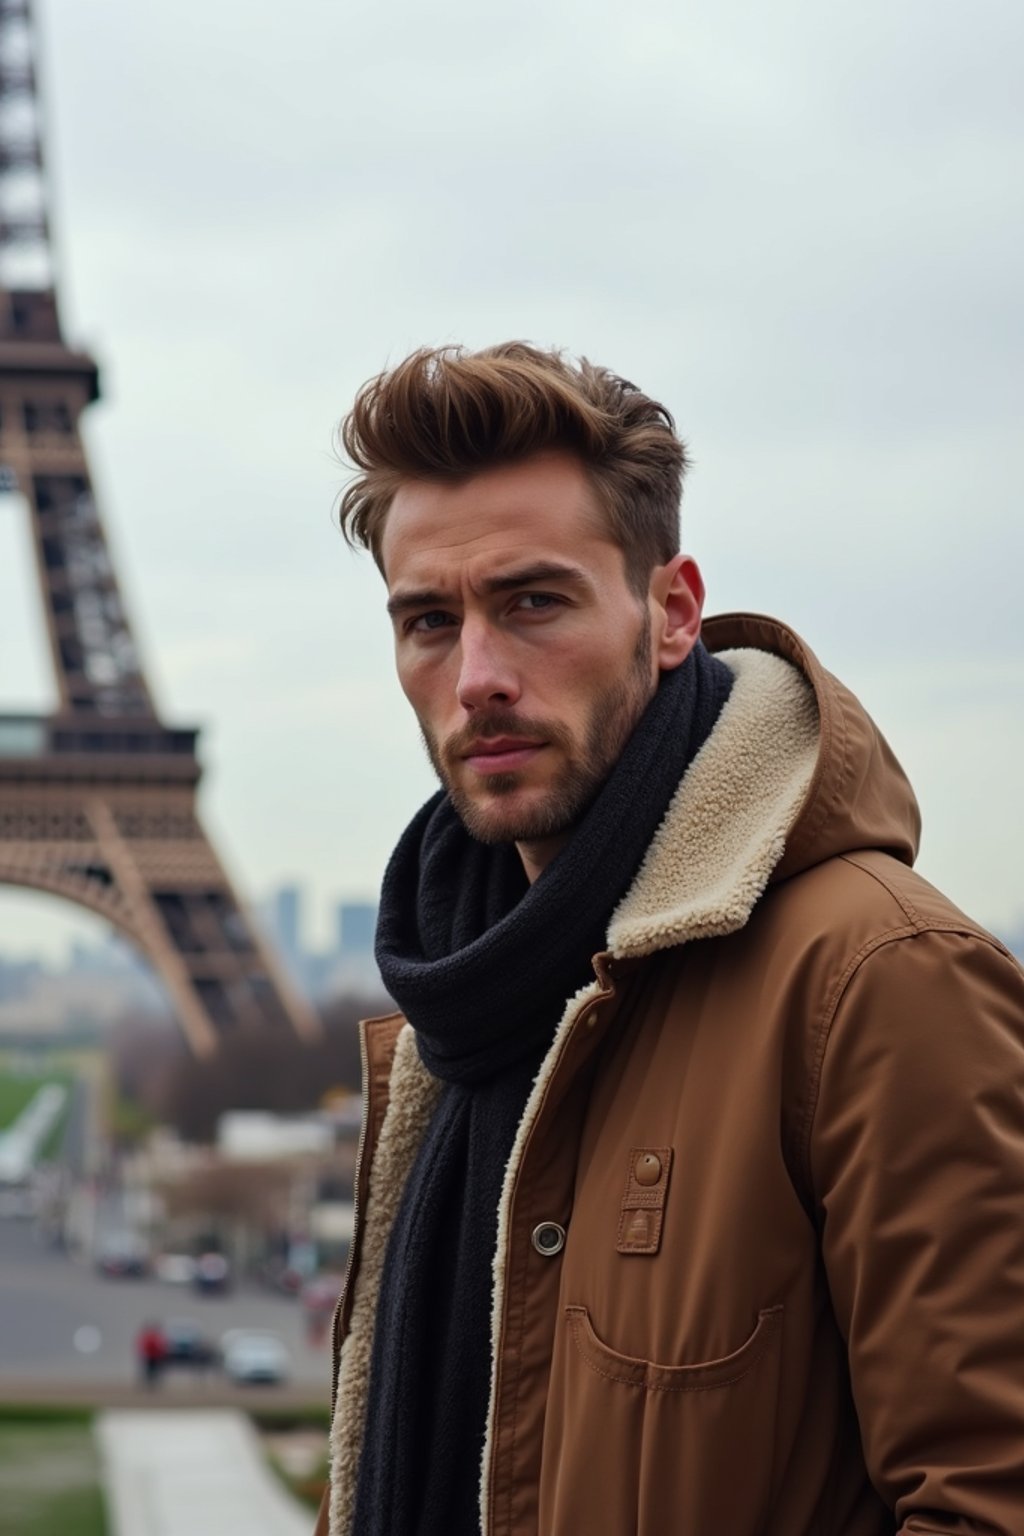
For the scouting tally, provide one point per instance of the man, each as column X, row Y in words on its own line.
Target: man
column 691, row 1194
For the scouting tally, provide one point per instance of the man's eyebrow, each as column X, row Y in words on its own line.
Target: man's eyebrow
column 508, row 581
column 429, row 597
column 529, row 575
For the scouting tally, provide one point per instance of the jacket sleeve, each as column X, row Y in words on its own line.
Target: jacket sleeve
column 917, row 1161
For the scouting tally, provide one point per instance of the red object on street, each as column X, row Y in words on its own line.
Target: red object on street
column 151, row 1349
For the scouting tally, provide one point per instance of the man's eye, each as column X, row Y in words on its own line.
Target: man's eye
column 536, row 602
column 435, row 619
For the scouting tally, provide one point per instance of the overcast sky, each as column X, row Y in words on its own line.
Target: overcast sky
column 799, row 225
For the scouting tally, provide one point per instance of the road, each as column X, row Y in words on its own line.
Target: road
column 48, row 1299
column 80, row 1152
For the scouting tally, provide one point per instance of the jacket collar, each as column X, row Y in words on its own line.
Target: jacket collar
column 726, row 826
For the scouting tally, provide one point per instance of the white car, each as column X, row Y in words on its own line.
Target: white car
column 252, row 1355
column 175, row 1268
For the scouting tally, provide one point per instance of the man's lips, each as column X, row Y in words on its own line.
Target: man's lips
column 501, row 754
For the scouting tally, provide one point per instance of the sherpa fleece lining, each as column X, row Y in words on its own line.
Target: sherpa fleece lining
column 708, row 864
column 412, row 1096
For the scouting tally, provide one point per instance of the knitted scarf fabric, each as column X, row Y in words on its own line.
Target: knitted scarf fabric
column 482, row 964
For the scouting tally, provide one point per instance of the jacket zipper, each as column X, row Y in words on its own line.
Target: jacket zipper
column 351, row 1260
column 487, row 1512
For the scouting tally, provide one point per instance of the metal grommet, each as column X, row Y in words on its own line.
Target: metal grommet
column 548, row 1238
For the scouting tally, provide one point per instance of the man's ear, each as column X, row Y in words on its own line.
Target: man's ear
column 677, row 602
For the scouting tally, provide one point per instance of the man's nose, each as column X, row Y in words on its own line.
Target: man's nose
column 486, row 676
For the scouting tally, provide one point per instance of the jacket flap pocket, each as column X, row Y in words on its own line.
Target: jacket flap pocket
column 632, row 1372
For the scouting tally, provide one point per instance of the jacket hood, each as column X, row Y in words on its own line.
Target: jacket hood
column 794, row 772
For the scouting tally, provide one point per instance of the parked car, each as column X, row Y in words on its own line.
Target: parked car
column 175, row 1268
column 122, row 1255
column 186, row 1344
column 251, row 1355
column 212, row 1273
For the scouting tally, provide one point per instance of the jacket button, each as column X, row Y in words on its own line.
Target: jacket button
column 647, row 1169
column 548, row 1238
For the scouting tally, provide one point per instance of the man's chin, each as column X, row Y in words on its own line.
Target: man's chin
column 508, row 814
column 505, row 816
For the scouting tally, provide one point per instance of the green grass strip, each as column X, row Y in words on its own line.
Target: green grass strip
column 49, row 1479
column 17, row 1090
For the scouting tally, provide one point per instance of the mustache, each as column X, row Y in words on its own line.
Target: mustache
column 500, row 722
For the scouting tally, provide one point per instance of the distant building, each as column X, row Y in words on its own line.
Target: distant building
column 256, row 1135
column 356, row 927
column 97, row 984
column 286, row 921
column 347, row 965
column 280, row 917
column 18, row 977
column 353, row 967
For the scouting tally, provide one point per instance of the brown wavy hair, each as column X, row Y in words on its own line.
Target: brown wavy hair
column 448, row 413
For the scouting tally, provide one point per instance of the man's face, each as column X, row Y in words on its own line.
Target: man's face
column 519, row 643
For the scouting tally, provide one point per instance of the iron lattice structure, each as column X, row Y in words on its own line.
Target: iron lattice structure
column 98, row 800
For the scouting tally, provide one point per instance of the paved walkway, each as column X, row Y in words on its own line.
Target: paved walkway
column 22, row 1141
column 192, row 1473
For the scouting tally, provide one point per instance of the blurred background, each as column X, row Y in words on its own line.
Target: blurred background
column 800, row 226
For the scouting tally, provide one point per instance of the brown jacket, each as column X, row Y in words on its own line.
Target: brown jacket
column 783, row 1132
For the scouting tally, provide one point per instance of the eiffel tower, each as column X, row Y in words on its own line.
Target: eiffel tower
column 97, row 801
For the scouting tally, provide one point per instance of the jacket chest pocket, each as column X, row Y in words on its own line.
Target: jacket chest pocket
column 631, row 1446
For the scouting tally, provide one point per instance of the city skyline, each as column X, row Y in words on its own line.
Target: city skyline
column 99, row 977
column 64, row 928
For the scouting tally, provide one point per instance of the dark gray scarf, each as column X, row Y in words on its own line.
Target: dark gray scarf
column 482, row 964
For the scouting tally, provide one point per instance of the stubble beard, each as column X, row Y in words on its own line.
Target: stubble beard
column 586, row 765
